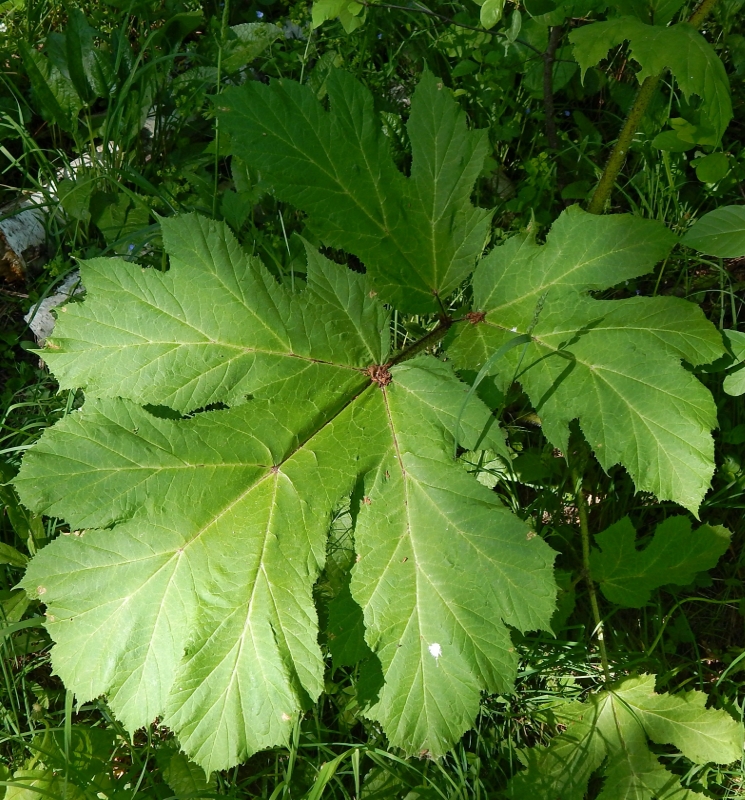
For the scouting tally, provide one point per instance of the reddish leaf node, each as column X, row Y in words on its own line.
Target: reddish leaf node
column 380, row 374
column 474, row 317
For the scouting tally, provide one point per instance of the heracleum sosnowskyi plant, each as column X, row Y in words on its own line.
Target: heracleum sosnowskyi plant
column 228, row 415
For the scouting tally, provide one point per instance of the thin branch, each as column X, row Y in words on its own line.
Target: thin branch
column 549, row 59
column 584, row 526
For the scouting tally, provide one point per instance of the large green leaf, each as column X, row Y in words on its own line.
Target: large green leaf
column 419, row 237
column 611, row 730
column 734, row 383
column 185, row 592
column 675, row 554
column 679, row 48
column 613, row 364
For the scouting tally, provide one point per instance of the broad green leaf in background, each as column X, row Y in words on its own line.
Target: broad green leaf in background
column 28, row 527
column 85, row 773
column 613, row 364
column 9, row 555
column 675, row 554
column 669, row 140
column 534, row 35
column 611, row 730
column 345, row 630
column 14, row 604
column 679, row 48
column 75, row 194
column 418, row 237
column 654, row 12
column 90, row 67
column 120, row 219
column 185, row 778
column 55, row 93
column 734, row 383
column 185, row 592
column 719, row 233
column 247, row 42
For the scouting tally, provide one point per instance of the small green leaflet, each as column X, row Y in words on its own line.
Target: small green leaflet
column 418, row 237
column 610, row 732
column 613, row 364
column 679, row 48
column 719, row 233
column 491, row 12
column 675, row 554
column 185, row 591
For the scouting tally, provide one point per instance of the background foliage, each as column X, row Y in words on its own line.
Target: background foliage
column 107, row 114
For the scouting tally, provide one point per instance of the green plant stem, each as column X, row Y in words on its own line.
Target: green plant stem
column 426, row 341
column 631, row 125
column 585, row 532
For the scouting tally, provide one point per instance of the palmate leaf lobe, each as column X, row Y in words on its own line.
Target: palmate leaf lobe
column 418, row 236
column 613, row 364
column 186, row 591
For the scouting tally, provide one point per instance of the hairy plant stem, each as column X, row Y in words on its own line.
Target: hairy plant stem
column 631, row 125
column 584, row 528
